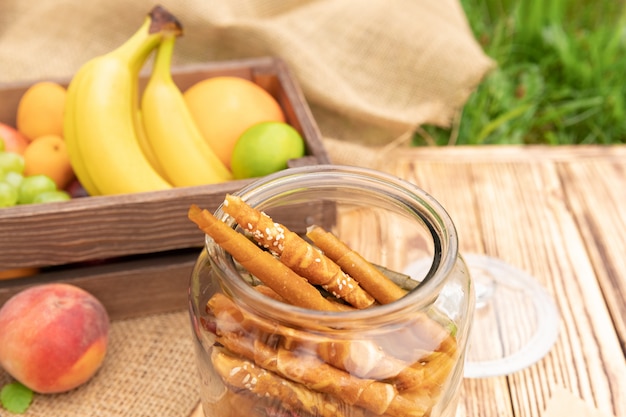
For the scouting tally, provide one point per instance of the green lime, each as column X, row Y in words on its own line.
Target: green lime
column 265, row 148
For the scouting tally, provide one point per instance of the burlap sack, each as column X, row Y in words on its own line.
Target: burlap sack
column 370, row 70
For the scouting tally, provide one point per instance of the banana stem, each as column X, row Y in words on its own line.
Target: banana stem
column 163, row 59
column 164, row 21
column 158, row 23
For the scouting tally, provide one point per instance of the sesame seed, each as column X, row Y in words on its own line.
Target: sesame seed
column 235, row 370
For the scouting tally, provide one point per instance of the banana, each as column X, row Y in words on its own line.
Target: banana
column 69, row 133
column 176, row 140
column 102, row 114
column 146, row 146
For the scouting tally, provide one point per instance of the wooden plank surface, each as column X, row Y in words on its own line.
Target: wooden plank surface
column 556, row 213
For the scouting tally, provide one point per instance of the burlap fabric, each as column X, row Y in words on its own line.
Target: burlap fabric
column 371, row 71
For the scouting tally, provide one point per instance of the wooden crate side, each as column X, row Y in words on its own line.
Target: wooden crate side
column 127, row 288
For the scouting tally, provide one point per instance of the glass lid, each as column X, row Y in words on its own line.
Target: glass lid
column 516, row 322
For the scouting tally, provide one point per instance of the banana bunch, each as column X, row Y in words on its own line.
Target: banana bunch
column 116, row 145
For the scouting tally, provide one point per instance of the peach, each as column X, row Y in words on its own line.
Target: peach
column 53, row 337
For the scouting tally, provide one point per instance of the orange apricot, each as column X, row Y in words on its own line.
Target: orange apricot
column 48, row 155
column 40, row 110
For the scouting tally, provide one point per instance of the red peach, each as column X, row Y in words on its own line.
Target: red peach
column 53, row 337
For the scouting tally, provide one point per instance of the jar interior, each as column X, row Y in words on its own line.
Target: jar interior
column 388, row 224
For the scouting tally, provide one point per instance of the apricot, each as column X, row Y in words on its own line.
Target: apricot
column 40, row 110
column 48, row 155
column 224, row 107
column 53, row 337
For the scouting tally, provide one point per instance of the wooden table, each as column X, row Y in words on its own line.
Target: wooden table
column 560, row 215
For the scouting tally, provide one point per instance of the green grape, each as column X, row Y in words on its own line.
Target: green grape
column 13, row 178
column 11, row 161
column 33, row 185
column 51, row 196
column 8, row 195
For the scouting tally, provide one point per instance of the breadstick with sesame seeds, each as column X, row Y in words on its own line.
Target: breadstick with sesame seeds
column 371, row 279
column 243, row 374
column 288, row 284
column 310, row 371
column 238, row 330
column 359, row 357
column 268, row 292
column 297, row 253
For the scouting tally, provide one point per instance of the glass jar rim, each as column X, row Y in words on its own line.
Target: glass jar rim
column 422, row 204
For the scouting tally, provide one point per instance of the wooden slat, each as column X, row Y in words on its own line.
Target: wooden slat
column 599, row 209
column 127, row 288
column 513, row 153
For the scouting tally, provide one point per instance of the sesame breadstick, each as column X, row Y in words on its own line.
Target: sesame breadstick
column 371, row 279
column 268, row 292
column 242, row 374
column 296, row 253
column 288, row 284
column 308, row 370
column 361, row 358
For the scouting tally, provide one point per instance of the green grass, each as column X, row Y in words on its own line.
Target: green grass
column 560, row 79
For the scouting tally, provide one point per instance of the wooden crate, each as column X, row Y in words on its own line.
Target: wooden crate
column 135, row 251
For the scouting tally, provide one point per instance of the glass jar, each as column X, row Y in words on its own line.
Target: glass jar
column 260, row 356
